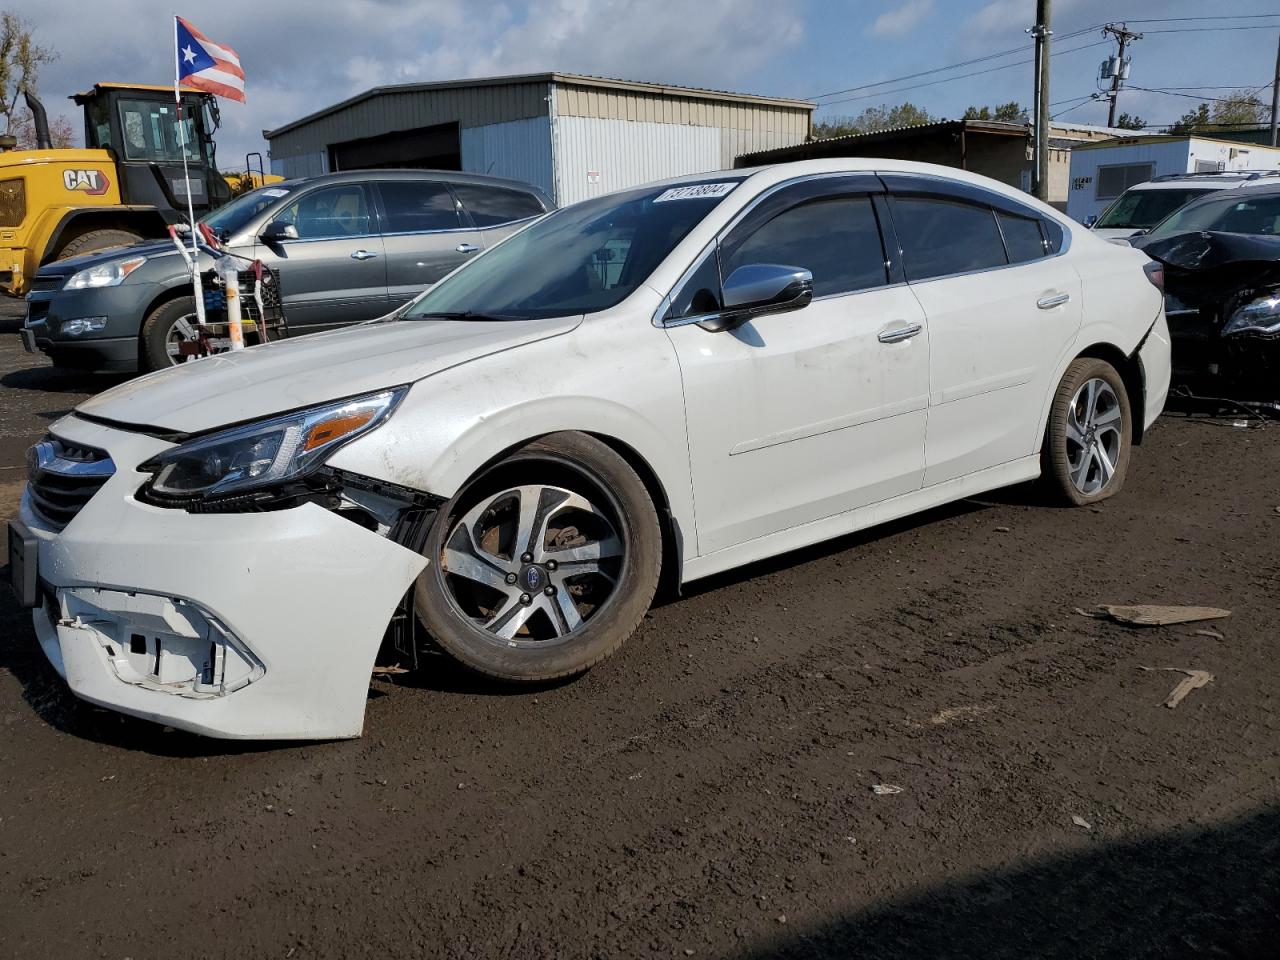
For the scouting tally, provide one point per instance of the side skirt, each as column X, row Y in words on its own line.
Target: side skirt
column 793, row 538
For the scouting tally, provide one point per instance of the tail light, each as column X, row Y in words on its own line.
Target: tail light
column 1155, row 273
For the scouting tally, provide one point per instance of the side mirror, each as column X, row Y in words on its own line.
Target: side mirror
column 278, row 230
column 1090, row 220
column 756, row 289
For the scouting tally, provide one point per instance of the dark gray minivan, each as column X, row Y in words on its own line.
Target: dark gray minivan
column 349, row 247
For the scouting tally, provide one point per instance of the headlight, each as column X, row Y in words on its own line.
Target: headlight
column 1257, row 316
column 265, row 453
column 104, row 274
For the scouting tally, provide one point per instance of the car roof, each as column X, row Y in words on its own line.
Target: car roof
column 450, row 176
column 1212, row 181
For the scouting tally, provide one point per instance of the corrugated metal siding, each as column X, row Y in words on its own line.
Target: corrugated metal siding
column 520, row 149
column 467, row 106
column 626, row 153
column 748, row 126
column 302, row 165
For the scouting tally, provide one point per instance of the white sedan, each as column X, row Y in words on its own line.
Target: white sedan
column 679, row 378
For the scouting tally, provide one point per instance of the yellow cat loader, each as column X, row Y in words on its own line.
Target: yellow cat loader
column 126, row 185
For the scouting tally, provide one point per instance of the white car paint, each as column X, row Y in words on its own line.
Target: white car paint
column 794, row 429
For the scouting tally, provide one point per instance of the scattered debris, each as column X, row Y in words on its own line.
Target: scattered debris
column 1210, row 633
column 961, row 713
column 1081, row 822
column 1153, row 614
column 781, row 918
column 1195, row 679
column 390, row 671
column 884, row 789
column 1002, row 529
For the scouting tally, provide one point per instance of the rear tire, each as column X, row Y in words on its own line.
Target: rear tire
column 1086, row 449
column 161, row 329
column 96, row 240
column 544, row 565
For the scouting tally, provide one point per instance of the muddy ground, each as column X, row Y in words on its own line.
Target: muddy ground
column 708, row 791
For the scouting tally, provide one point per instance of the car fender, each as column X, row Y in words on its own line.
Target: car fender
column 455, row 423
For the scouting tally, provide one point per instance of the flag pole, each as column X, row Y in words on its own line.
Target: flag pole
column 186, row 176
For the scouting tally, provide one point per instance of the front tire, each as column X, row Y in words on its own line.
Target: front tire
column 1087, row 445
column 545, row 564
column 167, row 326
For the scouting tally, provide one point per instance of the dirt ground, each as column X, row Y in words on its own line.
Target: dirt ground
column 708, row 791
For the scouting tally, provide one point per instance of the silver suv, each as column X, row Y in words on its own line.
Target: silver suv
column 349, row 247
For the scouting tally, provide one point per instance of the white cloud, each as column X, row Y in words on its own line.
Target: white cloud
column 894, row 23
column 303, row 55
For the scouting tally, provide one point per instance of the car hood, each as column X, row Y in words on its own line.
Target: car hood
column 289, row 374
column 150, row 249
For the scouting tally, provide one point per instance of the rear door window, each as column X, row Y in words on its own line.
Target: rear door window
column 492, row 206
column 1022, row 237
column 837, row 239
column 942, row 237
column 418, row 206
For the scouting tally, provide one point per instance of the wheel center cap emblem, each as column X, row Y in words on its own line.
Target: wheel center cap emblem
column 532, row 579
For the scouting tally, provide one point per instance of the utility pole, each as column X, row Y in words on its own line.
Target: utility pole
column 1125, row 37
column 1042, row 33
column 1275, row 95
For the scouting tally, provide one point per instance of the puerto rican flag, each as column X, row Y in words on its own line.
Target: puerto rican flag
column 206, row 65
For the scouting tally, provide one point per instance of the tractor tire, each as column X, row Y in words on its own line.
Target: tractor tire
column 96, row 240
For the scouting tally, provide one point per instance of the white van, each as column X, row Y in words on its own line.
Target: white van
column 1144, row 205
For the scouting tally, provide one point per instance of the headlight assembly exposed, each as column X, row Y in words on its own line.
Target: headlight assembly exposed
column 110, row 274
column 1257, row 316
column 266, row 453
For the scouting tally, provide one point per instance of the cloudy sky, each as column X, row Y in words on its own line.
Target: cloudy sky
column 300, row 55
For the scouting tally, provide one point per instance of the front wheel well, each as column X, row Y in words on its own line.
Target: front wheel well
column 147, row 224
column 1130, row 370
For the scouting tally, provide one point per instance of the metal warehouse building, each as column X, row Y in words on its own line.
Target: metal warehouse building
column 574, row 136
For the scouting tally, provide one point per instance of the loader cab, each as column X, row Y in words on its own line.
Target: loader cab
column 139, row 126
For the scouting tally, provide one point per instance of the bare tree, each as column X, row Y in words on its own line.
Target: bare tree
column 20, row 61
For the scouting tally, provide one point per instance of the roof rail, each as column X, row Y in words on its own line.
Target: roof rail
column 1205, row 174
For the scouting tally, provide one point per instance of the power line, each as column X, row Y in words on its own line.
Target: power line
column 1173, row 92
column 1261, row 26
column 963, row 76
column 1224, row 16
column 950, row 66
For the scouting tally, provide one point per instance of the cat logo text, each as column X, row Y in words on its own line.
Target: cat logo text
column 92, row 182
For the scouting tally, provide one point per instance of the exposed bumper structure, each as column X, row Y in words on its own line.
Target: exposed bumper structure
column 247, row 626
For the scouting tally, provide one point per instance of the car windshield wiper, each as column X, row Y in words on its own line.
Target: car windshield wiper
column 466, row 315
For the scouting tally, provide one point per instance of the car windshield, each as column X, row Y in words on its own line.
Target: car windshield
column 1232, row 213
column 1140, row 209
column 581, row 259
column 226, row 220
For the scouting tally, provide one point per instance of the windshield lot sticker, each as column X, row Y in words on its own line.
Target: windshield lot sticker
column 695, row 191
column 275, row 192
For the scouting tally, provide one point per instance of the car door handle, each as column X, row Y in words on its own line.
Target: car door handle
column 1053, row 300
column 363, row 255
column 898, row 334
column 466, row 248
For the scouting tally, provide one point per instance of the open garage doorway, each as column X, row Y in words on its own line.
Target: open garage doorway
column 436, row 147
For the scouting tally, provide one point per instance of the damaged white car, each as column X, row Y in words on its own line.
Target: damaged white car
column 678, row 379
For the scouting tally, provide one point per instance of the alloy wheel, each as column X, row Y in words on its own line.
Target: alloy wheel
column 1094, row 434
column 532, row 564
column 182, row 331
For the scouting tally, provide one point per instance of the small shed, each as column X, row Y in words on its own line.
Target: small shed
column 994, row 148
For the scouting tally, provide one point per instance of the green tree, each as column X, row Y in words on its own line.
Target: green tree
column 1239, row 109
column 20, row 61
column 872, row 119
column 1130, row 121
column 1192, row 120
column 1011, row 112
